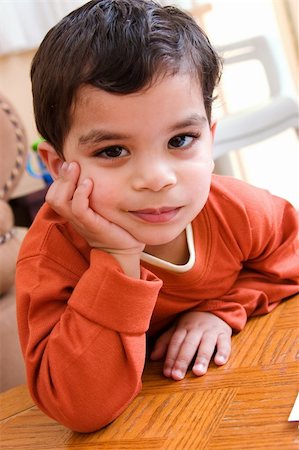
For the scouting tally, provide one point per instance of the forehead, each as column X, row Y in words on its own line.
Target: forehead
column 162, row 87
column 161, row 108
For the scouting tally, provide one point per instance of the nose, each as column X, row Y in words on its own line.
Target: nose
column 154, row 176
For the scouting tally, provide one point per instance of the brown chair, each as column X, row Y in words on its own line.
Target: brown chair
column 13, row 151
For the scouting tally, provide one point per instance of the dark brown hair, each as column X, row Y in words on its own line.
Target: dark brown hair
column 119, row 46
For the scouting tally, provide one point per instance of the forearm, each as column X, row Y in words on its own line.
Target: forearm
column 270, row 262
column 85, row 351
column 252, row 294
column 87, row 386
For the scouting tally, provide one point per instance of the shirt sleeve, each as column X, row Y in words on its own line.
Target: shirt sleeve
column 83, row 339
column 266, row 232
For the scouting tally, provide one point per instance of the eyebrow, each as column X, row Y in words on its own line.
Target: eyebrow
column 96, row 136
column 193, row 119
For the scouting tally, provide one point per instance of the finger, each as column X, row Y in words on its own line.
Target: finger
column 173, row 351
column 187, row 351
column 204, row 354
column 223, row 349
column 80, row 200
column 161, row 344
column 62, row 189
column 84, row 218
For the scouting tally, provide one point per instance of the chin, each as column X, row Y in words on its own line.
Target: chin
column 160, row 238
column 157, row 242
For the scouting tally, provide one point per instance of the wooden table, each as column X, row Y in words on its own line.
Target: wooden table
column 243, row 405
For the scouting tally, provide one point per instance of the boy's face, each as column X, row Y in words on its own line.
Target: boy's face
column 149, row 155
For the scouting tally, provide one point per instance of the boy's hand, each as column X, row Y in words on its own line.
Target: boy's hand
column 71, row 201
column 195, row 332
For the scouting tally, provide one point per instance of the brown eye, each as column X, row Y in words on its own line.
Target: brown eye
column 112, row 152
column 181, row 141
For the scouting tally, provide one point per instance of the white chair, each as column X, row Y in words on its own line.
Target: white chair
column 278, row 113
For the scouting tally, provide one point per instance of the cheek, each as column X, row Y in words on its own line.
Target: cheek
column 199, row 177
column 198, row 186
column 104, row 196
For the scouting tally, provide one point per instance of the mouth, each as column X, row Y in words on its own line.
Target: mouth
column 156, row 215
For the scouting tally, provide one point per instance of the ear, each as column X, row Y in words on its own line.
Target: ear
column 50, row 158
column 213, row 128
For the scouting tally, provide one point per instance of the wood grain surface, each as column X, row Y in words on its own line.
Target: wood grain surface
column 242, row 405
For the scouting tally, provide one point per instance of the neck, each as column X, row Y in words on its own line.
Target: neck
column 175, row 252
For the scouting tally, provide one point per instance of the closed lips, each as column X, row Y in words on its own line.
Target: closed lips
column 156, row 215
column 155, row 211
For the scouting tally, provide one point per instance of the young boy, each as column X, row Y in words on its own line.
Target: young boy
column 137, row 237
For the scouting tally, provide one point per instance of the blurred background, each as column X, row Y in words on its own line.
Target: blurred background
column 272, row 162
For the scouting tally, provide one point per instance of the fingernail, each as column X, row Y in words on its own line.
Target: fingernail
column 221, row 359
column 70, row 167
column 64, row 167
column 167, row 372
column 200, row 367
column 178, row 374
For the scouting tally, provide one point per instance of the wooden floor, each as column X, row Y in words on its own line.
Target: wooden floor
column 243, row 405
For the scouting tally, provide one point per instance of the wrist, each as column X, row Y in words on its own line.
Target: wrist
column 129, row 262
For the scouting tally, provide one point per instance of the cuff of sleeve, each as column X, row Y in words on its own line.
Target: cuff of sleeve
column 232, row 313
column 109, row 297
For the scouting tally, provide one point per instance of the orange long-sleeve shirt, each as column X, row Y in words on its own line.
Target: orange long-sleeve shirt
column 83, row 322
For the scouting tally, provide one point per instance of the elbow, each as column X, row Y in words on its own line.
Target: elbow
column 85, row 413
column 82, row 422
